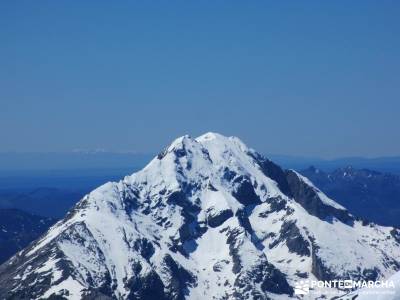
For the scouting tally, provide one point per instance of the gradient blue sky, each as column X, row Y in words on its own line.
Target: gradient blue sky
column 309, row 78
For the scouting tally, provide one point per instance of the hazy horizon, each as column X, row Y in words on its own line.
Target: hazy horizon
column 82, row 164
column 95, row 152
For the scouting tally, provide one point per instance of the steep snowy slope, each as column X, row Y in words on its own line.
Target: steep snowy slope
column 208, row 218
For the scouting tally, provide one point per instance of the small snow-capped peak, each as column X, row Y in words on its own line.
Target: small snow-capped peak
column 211, row 141
column 183, row 146
column 210, row 136
column 180, row 142
column 217, row 138
column 224, row 149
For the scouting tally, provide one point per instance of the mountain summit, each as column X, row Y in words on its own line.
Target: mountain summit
column 207, row 218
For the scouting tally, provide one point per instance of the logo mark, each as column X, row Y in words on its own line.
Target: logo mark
column 302, row 288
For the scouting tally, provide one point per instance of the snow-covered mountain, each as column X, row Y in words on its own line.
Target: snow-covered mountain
column 208, row 218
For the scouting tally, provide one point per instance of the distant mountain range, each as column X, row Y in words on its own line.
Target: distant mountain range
column 11, row 162
column 52, row 193
column 91, row 162
column 369, row 194
column 49, row 202
column 382, row 164
column 18, row 229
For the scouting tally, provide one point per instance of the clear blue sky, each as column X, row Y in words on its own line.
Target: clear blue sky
column 310, row 78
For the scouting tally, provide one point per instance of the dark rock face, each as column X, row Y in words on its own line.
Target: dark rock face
column 191, row 227
column 243, row 218
column 270, row 279
column 180, row 198
column 290, row 234
column 146, row 288
column 275, row 281
column 215, row 220
column 217, row 267
column 180, row 279
column 18, row 229
column 229, row 174
column 294, row 240
column 244, row 191
column 309, row 199
column 276, row 204
column 233, row 249
column 162, row 154
column 318, row 268
column 370, row 274
column 265, row 274
column 395, row 233
column 144, row 247
column 274, row 172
